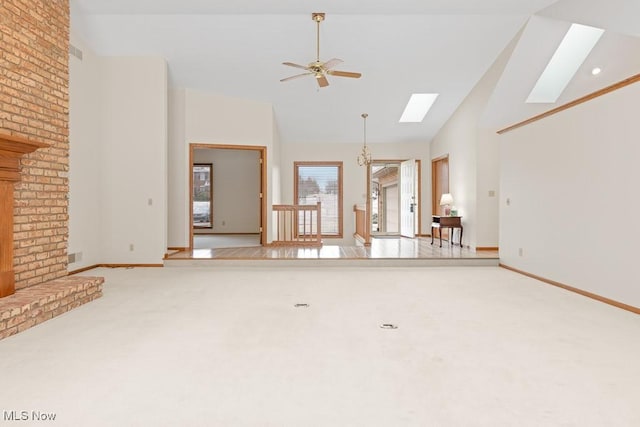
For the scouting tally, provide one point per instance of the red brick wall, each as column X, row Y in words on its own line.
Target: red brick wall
column 34, row 103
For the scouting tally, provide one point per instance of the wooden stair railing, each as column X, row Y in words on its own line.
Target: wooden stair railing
column 298, row 225
column 363, row 232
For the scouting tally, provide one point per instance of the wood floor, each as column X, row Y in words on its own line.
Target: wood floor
column 384, row 250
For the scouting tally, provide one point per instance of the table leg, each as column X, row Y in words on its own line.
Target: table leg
column 432, row 235
column 440, row 232
column 460, row 236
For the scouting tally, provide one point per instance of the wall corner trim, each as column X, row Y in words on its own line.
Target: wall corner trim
column 589, row 97
column 587, row 294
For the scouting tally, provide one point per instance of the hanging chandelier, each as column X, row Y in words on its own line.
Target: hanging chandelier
column 365, row 156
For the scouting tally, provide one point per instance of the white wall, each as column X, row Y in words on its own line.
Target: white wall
column 275, row 159
column 212, row 118
column 571, row 180
column 178, row 199
column 275, row 176
column 85, row 163
column 134, row 155
column 205, row 118
column 118, row 112
column 354, row 176
column 458, row 139
column 488, row 188
column 474, row 160
column 236, row 190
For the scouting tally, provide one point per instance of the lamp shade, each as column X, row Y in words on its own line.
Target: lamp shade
column 446, row 199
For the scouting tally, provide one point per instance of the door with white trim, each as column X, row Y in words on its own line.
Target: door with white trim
column 408, row 198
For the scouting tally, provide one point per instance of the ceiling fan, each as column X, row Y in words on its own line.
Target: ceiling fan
column 317, row 68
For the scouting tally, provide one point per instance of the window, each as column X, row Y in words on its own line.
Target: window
column 321, row 182
column 202, row 195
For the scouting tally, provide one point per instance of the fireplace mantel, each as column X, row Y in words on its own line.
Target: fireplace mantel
column 12, row 148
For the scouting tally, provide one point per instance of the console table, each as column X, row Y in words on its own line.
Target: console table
column 450, row 222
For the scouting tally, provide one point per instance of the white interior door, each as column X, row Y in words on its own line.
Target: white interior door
column 407, row 198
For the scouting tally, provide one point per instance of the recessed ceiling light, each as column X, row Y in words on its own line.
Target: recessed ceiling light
column 573, row 50
column 596, row 71
column 418, row 106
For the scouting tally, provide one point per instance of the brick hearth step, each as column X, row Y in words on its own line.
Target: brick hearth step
column 33, row 305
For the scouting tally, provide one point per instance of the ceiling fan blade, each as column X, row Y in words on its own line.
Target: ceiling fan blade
column 295, row 77
column 331, row 63
column 344, row 74
column 322, row 80
column 291, row 64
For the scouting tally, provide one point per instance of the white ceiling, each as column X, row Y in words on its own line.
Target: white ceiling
column 400, row 47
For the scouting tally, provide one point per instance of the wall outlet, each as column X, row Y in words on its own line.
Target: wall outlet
column 520, row 252
column 131, row 247
column 492, row 193
column 224, row 223
column 508, row 201
column 150, row 202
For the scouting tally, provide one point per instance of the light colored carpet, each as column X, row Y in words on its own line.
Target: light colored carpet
column 475, row 346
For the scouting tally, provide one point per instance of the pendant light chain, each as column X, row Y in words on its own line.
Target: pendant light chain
column 365, row 156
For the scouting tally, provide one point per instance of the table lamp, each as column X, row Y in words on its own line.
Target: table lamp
column 446, row 200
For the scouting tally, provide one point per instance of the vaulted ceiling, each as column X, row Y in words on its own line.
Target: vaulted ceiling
column 400, row 47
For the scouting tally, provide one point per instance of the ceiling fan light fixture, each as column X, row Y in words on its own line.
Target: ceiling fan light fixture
column 320, row 69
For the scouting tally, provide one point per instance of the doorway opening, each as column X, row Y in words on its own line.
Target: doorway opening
column 394, row 188
column 202, row 193
column 385, row 200
column 440, row 183
column 227, row 202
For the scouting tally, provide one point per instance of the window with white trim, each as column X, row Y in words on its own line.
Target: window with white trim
column 321, row 182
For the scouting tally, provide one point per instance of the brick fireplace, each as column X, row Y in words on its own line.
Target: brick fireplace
column 12, row 149
column 34, row 159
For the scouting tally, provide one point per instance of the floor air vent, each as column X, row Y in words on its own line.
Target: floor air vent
column 389, row 326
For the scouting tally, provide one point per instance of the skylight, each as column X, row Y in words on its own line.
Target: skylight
column 565, row 62
column 418, row 106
